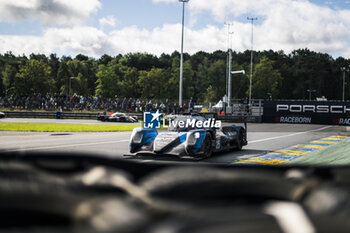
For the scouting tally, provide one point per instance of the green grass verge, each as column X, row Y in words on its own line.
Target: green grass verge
column 48, row 127
column 337, row 154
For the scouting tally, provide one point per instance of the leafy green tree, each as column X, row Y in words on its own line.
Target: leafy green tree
column 54, row 65
column 210, row 95
column 265, row 79
column 335, row 82
column 311, row 70
column 105, row 59
column 140, row 61
column 107, row 82
column 33, row 77
column 187, row 81
column 92, row 67
column 79, row 71
column 81, row 57
column 129, row 86
column 200, row 64
column 153, row 83
column 63, row 76
column 165, row 61
column 8, row 78
column 201, row 80
column 38, row 57
column 217, row 80
column 239, row 82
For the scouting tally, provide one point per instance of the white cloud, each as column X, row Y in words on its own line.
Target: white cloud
column 94, row 42
column 109, row 21
column 167, row 39
column 167, row 1
column 156, row 41
column 63, row 41
column 48, row 12
column 282, row 24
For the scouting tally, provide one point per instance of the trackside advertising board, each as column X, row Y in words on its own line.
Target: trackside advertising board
column 307, row 112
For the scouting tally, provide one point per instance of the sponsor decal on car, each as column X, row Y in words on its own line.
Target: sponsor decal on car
column 152, row 120
column 193, row 123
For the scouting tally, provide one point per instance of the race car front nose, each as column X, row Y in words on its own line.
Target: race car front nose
column 166, row 142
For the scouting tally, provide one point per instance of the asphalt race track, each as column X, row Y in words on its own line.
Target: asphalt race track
column 262, row 138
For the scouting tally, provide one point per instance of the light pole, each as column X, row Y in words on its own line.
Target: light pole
column 251, row 60
column 70, row 84
column 229, row 55
column 229, row 77
column 310, row 91
column 182, row 48
column 344, row 70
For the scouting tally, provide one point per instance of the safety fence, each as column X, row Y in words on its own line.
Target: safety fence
column 51, row 115
column 93, row 116
column 272, row 111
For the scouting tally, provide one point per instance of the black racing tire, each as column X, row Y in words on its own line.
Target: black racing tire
column 208, row 146
column 240, row 141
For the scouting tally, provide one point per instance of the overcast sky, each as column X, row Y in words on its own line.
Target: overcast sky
column 96, row 27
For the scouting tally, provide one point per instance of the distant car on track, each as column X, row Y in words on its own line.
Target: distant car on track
column 192, row 141
column 117, row 117
column 2, row 115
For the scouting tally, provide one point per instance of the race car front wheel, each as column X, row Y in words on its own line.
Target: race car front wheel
column 240, row 141
column 208, row 146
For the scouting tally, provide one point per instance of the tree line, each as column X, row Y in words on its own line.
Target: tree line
column 143, row 75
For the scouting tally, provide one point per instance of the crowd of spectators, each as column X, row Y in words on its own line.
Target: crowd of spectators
column 90, row 103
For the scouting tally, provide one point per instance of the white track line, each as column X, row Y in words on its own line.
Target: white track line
column 289, row 135
column 64, row 146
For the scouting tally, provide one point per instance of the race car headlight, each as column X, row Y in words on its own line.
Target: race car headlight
column 192, row 138
column 136, row 136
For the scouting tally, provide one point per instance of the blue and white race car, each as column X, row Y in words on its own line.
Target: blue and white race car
column 192, row 138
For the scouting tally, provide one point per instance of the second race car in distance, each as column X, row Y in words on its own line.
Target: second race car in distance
column 191, row 141
column 117, row 117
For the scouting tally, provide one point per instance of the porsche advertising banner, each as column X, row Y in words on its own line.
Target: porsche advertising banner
column 307, row 112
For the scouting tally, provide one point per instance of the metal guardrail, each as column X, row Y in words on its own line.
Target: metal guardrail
column 52, row 115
